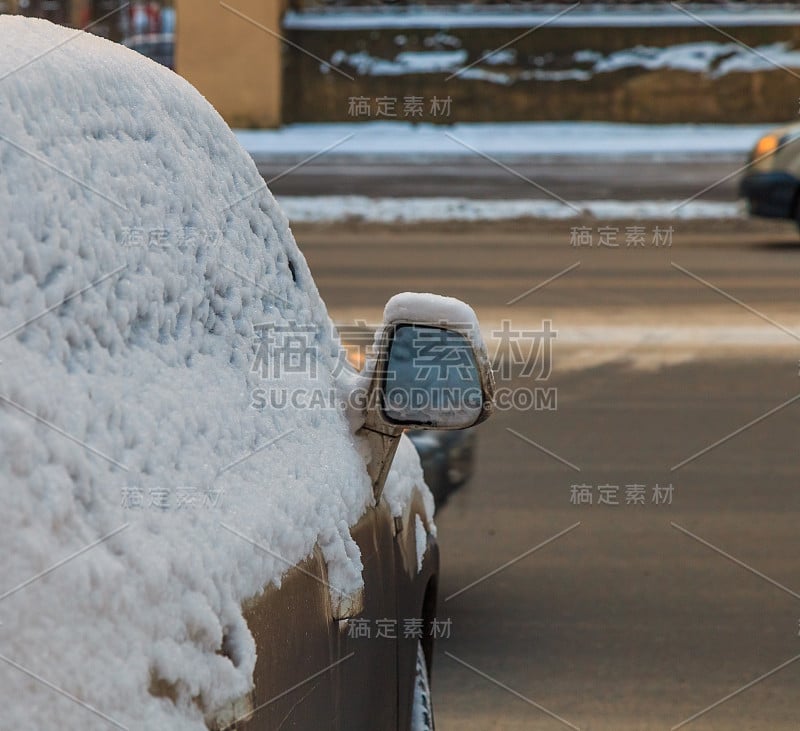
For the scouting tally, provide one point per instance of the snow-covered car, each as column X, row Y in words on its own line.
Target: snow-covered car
column 771, row 183
column 208, row 523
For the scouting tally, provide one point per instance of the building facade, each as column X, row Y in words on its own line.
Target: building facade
column 231, row 51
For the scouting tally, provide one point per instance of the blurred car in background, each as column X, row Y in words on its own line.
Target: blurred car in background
column 160, row 47
column 447, row 457
column 771, row 184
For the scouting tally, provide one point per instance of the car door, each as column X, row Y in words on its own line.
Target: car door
column 367, row 639
column 295, row 680
column 315, row 670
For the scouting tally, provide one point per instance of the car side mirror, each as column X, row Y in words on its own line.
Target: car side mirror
column 430, row 370
column 431, row 379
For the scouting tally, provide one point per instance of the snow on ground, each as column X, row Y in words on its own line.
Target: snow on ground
column 318, row 209
column 714, row 59
column 511, row 16
column 406, row 62
column 505, row 139
column 139, row 251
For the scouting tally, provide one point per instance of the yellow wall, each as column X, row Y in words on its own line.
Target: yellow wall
column 78, row 10
column 234, row 63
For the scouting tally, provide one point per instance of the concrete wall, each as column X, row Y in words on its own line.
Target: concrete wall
column 626, row 95
column 234, row 60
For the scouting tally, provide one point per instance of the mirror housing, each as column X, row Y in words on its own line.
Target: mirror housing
column 429, row 370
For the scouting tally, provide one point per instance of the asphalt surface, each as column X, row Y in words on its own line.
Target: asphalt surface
column 359, row 266
column 634, row 618
column 627, row 621
column 470, row 176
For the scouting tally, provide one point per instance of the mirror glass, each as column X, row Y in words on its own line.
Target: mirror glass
column 431, row 378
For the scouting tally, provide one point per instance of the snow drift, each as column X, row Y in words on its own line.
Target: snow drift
column 140, row 251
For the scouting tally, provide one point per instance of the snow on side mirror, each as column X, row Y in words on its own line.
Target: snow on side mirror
column 432, row 371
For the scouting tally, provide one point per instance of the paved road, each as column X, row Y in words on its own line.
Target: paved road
column 474, row 177
column 358, row 267
column 629, row 621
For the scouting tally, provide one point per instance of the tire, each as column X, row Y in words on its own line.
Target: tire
column 422, row 708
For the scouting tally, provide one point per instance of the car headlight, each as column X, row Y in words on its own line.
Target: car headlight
column 766, row 145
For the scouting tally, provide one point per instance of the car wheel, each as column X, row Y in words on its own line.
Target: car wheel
column 422, row 710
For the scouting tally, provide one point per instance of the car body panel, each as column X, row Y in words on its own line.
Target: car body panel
column 367, row 680
column 294, row 636
column 416, row 599
column 770, row 195
column 312, row 670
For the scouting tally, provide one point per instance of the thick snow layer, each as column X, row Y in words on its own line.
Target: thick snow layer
column 515, row 16
column 514, row 139
column 427, row 308
column 140, row 251
column 317, row 209
column 433, row 309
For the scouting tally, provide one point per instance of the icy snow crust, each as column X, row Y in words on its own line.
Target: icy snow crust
column 140, row 385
